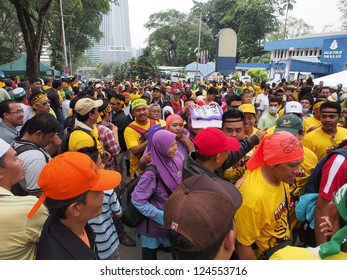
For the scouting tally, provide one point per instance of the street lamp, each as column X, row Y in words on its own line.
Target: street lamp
column 288, row 63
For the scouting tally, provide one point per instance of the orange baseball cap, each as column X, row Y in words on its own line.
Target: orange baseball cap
column 71, row 174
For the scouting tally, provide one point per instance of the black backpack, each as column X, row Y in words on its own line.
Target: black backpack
column 16, row 188
column 132, row 217
column 65, row 141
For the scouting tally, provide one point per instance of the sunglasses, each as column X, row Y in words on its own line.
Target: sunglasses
column 45, row 102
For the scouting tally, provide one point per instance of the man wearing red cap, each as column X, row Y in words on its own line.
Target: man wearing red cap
column 213, row 148
column 263, row 219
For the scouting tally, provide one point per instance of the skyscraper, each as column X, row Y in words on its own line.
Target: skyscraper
column 115, row 44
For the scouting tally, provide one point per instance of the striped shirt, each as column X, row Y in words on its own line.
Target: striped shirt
column 107, row 240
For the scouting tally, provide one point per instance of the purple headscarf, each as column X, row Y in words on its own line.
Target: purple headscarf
column 170, row 169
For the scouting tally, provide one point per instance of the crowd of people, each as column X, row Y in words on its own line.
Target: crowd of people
column 264, row 179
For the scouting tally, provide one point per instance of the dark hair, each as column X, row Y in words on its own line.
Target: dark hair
column 56, row 83
column 44, row 122
column 47, row 80
column 57, row 208
column 5, row 106
column 307, row 97
column 232, row 98
column 85, row 117
column 8, row 82
column 212, row 90
column 92, row 152
column 34, row 80
column 232, row 113
column 331, row 105
column 180, row 246
column 275, row 99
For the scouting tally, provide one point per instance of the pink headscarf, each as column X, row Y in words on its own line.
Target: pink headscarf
column 280, row 147
column 171, row 118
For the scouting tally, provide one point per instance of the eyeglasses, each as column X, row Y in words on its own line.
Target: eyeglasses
column 45, row 102
column 18, row 112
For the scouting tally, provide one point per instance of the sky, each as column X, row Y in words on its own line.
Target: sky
column 317, row 13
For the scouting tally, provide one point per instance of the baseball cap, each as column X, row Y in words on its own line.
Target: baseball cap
column 247, row 108
column 177, row 91
column 212, row 141
column 98, row 86
column 201, row 209
column 291, row 123
column 343, row 97
column 293, row 107
column 146, row 95
column 4, row 147
column 71, row 174
column 85, row 105
column 18, row 93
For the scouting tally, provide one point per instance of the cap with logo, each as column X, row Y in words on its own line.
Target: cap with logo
column 18, row 93
column 201, row 209
column 291, row 123
column 293, row 107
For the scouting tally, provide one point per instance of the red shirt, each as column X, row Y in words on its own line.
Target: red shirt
column 334, row 176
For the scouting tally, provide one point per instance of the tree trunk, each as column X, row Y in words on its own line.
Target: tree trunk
column 33, row 39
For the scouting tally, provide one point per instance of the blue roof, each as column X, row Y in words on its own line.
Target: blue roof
column 308, row 41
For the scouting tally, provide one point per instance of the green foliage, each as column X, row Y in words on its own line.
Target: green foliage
column 174, row 39
column 258, row 75
column 11, row 39
column 250, row 19
column 81, row 21
column 143, row 67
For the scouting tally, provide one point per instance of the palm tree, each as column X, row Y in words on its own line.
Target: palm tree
column 287, row 5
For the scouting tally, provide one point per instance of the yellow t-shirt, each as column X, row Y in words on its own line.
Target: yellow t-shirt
column 298, row 253
column 133, row 138
column 297, row 189
column 79, row 139
column 321, row 143
column 266, row 218
column 311, row 122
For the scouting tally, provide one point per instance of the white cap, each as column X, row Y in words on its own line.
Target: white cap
column 4, row 147
column 98, row 86
column 293, row 107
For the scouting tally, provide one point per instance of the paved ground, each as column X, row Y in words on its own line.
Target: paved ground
column 134, row 253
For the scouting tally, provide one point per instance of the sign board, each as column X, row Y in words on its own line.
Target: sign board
column 226, row 51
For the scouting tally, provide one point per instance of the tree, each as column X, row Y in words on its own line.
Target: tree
column 82, row 19
column 174, row 38
column 11, row 39
column 32, row 17
column 250, row 19
column 287, row 5
column 296, row 27
column 258, row 75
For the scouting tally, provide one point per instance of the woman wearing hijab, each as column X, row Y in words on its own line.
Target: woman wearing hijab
column 167, row 111
column 151, row 193
column 175, row 124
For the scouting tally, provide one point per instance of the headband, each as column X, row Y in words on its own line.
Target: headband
column 37, row 98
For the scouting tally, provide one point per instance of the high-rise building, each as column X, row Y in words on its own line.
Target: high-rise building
column 115, row 44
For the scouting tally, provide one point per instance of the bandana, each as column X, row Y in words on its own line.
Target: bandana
column 37, row 99
column 333, row 246
column 138, row 102
column 280, row 147
column 113, row 99
column 317, row 105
